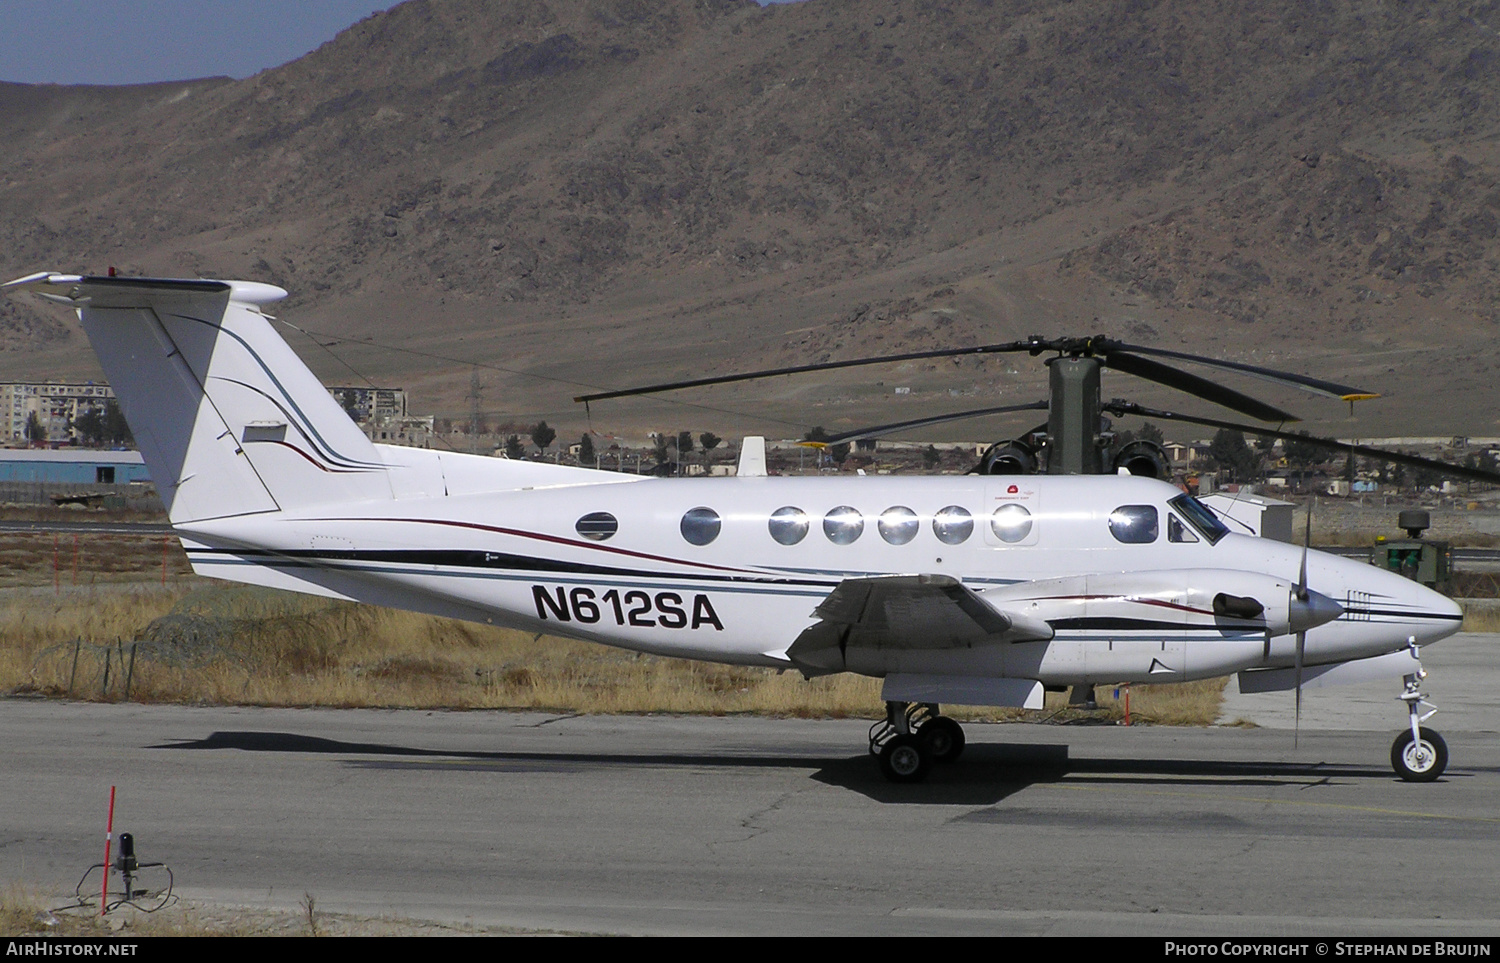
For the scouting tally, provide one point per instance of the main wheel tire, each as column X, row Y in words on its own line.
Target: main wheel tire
column 1420, row 760
column 905, row 759
column 944, row 738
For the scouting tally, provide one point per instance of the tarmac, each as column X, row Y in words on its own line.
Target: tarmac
column 662, row 825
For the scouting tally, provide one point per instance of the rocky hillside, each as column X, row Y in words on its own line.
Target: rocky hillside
column 604, row 192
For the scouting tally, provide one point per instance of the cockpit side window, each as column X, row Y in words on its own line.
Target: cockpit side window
column 1201, row 517
column 1134, row 524
column 1177, row 531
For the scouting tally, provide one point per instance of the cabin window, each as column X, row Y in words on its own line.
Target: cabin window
column 953, row 525
column 898, row 525
column 700, row 525
column 789, row 525
column 1011, row 523
column 1177, row 531
column 1134, row 524
column 597, row 526
column 843, row 525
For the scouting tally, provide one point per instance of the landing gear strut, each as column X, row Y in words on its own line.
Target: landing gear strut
column 912, row 737
column 1418, row 755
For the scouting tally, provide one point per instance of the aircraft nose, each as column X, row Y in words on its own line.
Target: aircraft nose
column 1428, row 616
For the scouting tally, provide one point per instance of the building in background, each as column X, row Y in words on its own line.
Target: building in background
column 370, row 404
column 381, row 415
column 56, row 406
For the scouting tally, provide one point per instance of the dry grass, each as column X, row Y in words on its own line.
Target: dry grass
column 258, row 647
column 204, row 643
column 1481, row 618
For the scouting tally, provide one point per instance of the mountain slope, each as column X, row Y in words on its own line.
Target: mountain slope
column 615, row 192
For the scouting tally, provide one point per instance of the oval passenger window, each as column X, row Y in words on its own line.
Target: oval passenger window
column 953, row 525
column 700, row 525
column 788, row 525
column 843, row 525
column 597, row 526
column 898, row 525
column 1011, row 523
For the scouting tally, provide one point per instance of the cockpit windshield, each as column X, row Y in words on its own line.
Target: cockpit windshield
column 1201, row 517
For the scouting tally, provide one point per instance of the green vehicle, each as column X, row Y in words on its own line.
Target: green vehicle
column 1420, row 559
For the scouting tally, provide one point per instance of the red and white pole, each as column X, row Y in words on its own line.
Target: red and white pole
column 109, row 831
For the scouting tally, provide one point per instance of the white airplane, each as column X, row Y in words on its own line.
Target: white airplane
column 976, row 590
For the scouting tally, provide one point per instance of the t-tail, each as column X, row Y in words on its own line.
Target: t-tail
column 228, row 419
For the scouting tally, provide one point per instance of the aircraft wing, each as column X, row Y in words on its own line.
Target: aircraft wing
column 905, row 612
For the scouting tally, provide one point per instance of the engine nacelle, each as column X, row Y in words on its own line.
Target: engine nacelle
column 1144, row 458
column 1013, row 457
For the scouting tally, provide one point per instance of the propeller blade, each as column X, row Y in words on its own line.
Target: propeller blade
column 1301, row 594
column 1306, row 543
column 1033, row 345
column 1297, row 719
column 1194, row 385
column 880, row 430
column 1318, row 386
column 1119, row 407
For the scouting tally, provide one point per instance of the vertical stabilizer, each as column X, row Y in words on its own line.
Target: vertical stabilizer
column 228, row 419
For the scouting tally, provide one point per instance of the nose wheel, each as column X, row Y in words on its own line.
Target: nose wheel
column 1418, row 754
column 1421, row 757
column 911, row 738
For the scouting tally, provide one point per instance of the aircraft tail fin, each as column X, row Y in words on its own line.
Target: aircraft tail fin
column 227, row 417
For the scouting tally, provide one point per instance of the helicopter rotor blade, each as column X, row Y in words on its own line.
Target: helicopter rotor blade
column 1120, row 407
column 1330, row 389
column 1009, row 347
column 1194, row 385
column 877, row 431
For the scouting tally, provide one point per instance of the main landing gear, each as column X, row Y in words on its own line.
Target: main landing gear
column 1418, row 755
column 911, row 738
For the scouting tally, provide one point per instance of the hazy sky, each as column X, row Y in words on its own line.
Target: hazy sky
column 140, row 41
column 144, row 41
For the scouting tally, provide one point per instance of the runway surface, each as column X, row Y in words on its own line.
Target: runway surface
column 665, row 825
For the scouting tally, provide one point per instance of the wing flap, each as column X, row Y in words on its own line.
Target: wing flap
column 905, row 613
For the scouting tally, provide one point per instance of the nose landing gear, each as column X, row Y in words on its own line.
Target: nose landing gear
column 1418, row 755
column 912, row 737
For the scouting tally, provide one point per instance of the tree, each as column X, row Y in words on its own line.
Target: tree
column 35, row 433
column 542, row 435
column 684, row 442
column 90, row 428
column 931, row 457
column 1151, row 433
column 1229, row 453
column 116, row 431
column 1301, row 454
column 709, row 441
column 839, row 453
column 586, row 450
column 514, row 450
